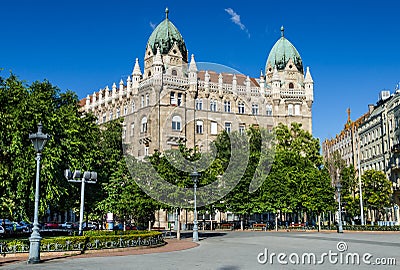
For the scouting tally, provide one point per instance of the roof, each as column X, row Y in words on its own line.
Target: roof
column 227, row 78
column 281, row 52
column 164, row 36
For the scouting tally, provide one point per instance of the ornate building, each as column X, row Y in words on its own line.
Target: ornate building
column 171, row 101
column 373, row 142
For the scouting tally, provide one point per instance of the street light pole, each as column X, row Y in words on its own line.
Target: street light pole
column 360, row 185
column 195, row 175
column 88, row 177
column 39, row 140
column 340, row 226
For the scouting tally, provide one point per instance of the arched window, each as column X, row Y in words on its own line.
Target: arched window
column 290, row 109
column 133, row 106
column 297, row 109
column 213, row 105
column 199, row 127
column 174, row 73
column 176, row 123
column 199, row 104
column 291, row 86
column 269, row 110
column 144, row 125
column 241, row 107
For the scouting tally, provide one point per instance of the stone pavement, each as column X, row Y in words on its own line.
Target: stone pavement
column 250, row 250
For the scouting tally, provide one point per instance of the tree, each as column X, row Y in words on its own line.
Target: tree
column 377, row 192
column 297, row 181
column 23, row 106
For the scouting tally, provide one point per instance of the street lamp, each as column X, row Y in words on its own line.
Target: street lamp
column 195, row 176
column 340, row 226
column 39, row 140
column 88, row 177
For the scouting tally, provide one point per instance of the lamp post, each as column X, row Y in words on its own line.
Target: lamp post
column 195, row 176
column 38, row 139
column 88, row 177
column 340, row 226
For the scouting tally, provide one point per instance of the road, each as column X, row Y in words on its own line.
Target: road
column 247, row 250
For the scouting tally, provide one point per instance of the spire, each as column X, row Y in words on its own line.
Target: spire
column 308, row 78
column 192, row 65
column 136, row 68
column 282, row 31
column 348, row 115
column 157, row 59
column 275, row 76
column 166, row 13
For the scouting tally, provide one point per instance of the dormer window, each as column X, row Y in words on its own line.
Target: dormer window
column 291, row 85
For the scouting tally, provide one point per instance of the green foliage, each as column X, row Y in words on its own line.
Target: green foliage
column 71, row 135
column 376, row 189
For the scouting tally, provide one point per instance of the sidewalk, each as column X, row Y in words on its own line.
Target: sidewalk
column 171, row 245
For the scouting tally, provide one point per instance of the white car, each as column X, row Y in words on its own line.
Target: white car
column 2, row 232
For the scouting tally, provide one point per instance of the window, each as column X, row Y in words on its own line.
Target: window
column 172, row 98
column 227, row 106
column 228, row 127
column 254, row 109
column 297, row 109
column 199, row 104
column 123, row 132
column 125, row 110
column 179, row 99
column 291, row 86
column 213, row 105
column 132, row 129
column 214, row 128
column 199, row 127
column 142, row 101
column 176, row 123
column 146, row 150
column 242, row 129
column 241, row 107
column 147, row 100
column 118, row 113
column 174, row 73
column 133, row 106
column 111, row 116
column 144, row 125
column 290, row 109
column 269, row 110
column 104, row 118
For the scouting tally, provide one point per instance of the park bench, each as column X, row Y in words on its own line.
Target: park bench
column 227, row 226
column 259, row 226
column 297, row 226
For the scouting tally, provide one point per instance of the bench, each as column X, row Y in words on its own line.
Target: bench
column 261, row 226
column 297, row 226
column 227, row 226
column 164, row 232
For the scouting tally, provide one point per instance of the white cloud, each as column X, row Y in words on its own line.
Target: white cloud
column 152, row 25
column 236, row 20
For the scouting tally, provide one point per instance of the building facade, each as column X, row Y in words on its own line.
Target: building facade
column 372, row 143
column 172, row 101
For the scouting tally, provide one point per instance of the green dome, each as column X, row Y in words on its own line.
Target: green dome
column 164, row 36
column 280, row 54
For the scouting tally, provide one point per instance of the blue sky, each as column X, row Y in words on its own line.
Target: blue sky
column 351, row 47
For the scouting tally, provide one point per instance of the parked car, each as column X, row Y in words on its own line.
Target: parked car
column 2, row 231
column 90, row 226
column 51, row 225
column 67, row 225
column 26, row 226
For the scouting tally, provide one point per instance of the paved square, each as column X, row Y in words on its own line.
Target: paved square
column 240, row 250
